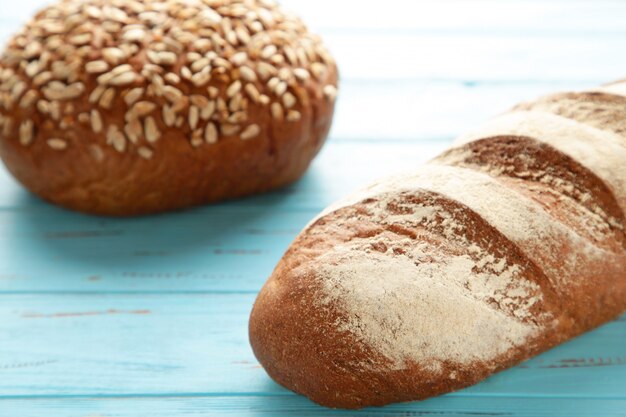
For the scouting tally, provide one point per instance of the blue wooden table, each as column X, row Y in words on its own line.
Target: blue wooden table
column 148, row 317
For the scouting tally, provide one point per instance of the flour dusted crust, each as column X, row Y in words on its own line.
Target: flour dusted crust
column 506, row 245
column 126, row 107
column 574, row 139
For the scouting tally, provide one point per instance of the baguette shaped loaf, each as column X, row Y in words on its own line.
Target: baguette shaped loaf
column 507, row 245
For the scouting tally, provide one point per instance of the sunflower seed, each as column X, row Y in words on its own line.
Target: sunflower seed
column 273, row 83
column 289, row 100
column 169, row 116
column 145, row 152
column 284, row 74
column 43, row 106
column 172, row 94
column 83, row 118
column 96, row 94
column 107, row 98
column 250, row 132
column 96, row 67
column 200, row 79
column 210, row 133
column 27, row 132
column 113, row 55
column 291, row 55
column 236, row 103
column 198, row 100
column 141, row 109
column 194, row 117
column 280, row 89
column 186, row 73
column 268, row 51
column 210, row 16
column 265, row 70
column 242, row 35
column 133, row 130
column 55, row 110
column 277, row 111
column 33, row 68
column 196, row 138
column 252, row 92
column 134, row 35
column 247, row 73
column 63, row 92
column 133, row 95
column 318, row 70
column 172, row 78
column 330, row 91
column 80, row 39
column 229, row 130
column 207, row 111
column 57, row 144
column 28, row 99
column 116, row 138
column 123, row 79
column 96, row 121
column 180, row 105
column 152, row 132
column 17, row 90
column 301, row 74
column 42, row 78
column 200, row 64
column 239, row 58
column 293, row 116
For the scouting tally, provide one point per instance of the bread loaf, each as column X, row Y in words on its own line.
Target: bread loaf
column 506, row 245
column 124, row 107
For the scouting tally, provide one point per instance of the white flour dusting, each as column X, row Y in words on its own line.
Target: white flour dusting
column 428, row 304
column 417, row 312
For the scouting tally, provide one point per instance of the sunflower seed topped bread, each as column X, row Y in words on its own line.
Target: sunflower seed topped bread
column 125, row 107
column 506, row 245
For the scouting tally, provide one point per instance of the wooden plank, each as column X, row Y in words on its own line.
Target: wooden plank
column 559, row 17
column 213, row 249
column 277, row 406
column 477, row 57
column 183, row 344
column 458, row 16
column 414, row 110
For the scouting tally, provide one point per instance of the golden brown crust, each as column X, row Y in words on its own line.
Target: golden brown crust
column 309, row 329
column 301, row 348
column 211, row 109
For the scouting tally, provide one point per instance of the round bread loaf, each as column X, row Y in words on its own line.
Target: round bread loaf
column 123, row 107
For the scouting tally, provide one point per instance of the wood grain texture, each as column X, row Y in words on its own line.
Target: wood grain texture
column 103, row 317
column 270, row 406
column 179, row 344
